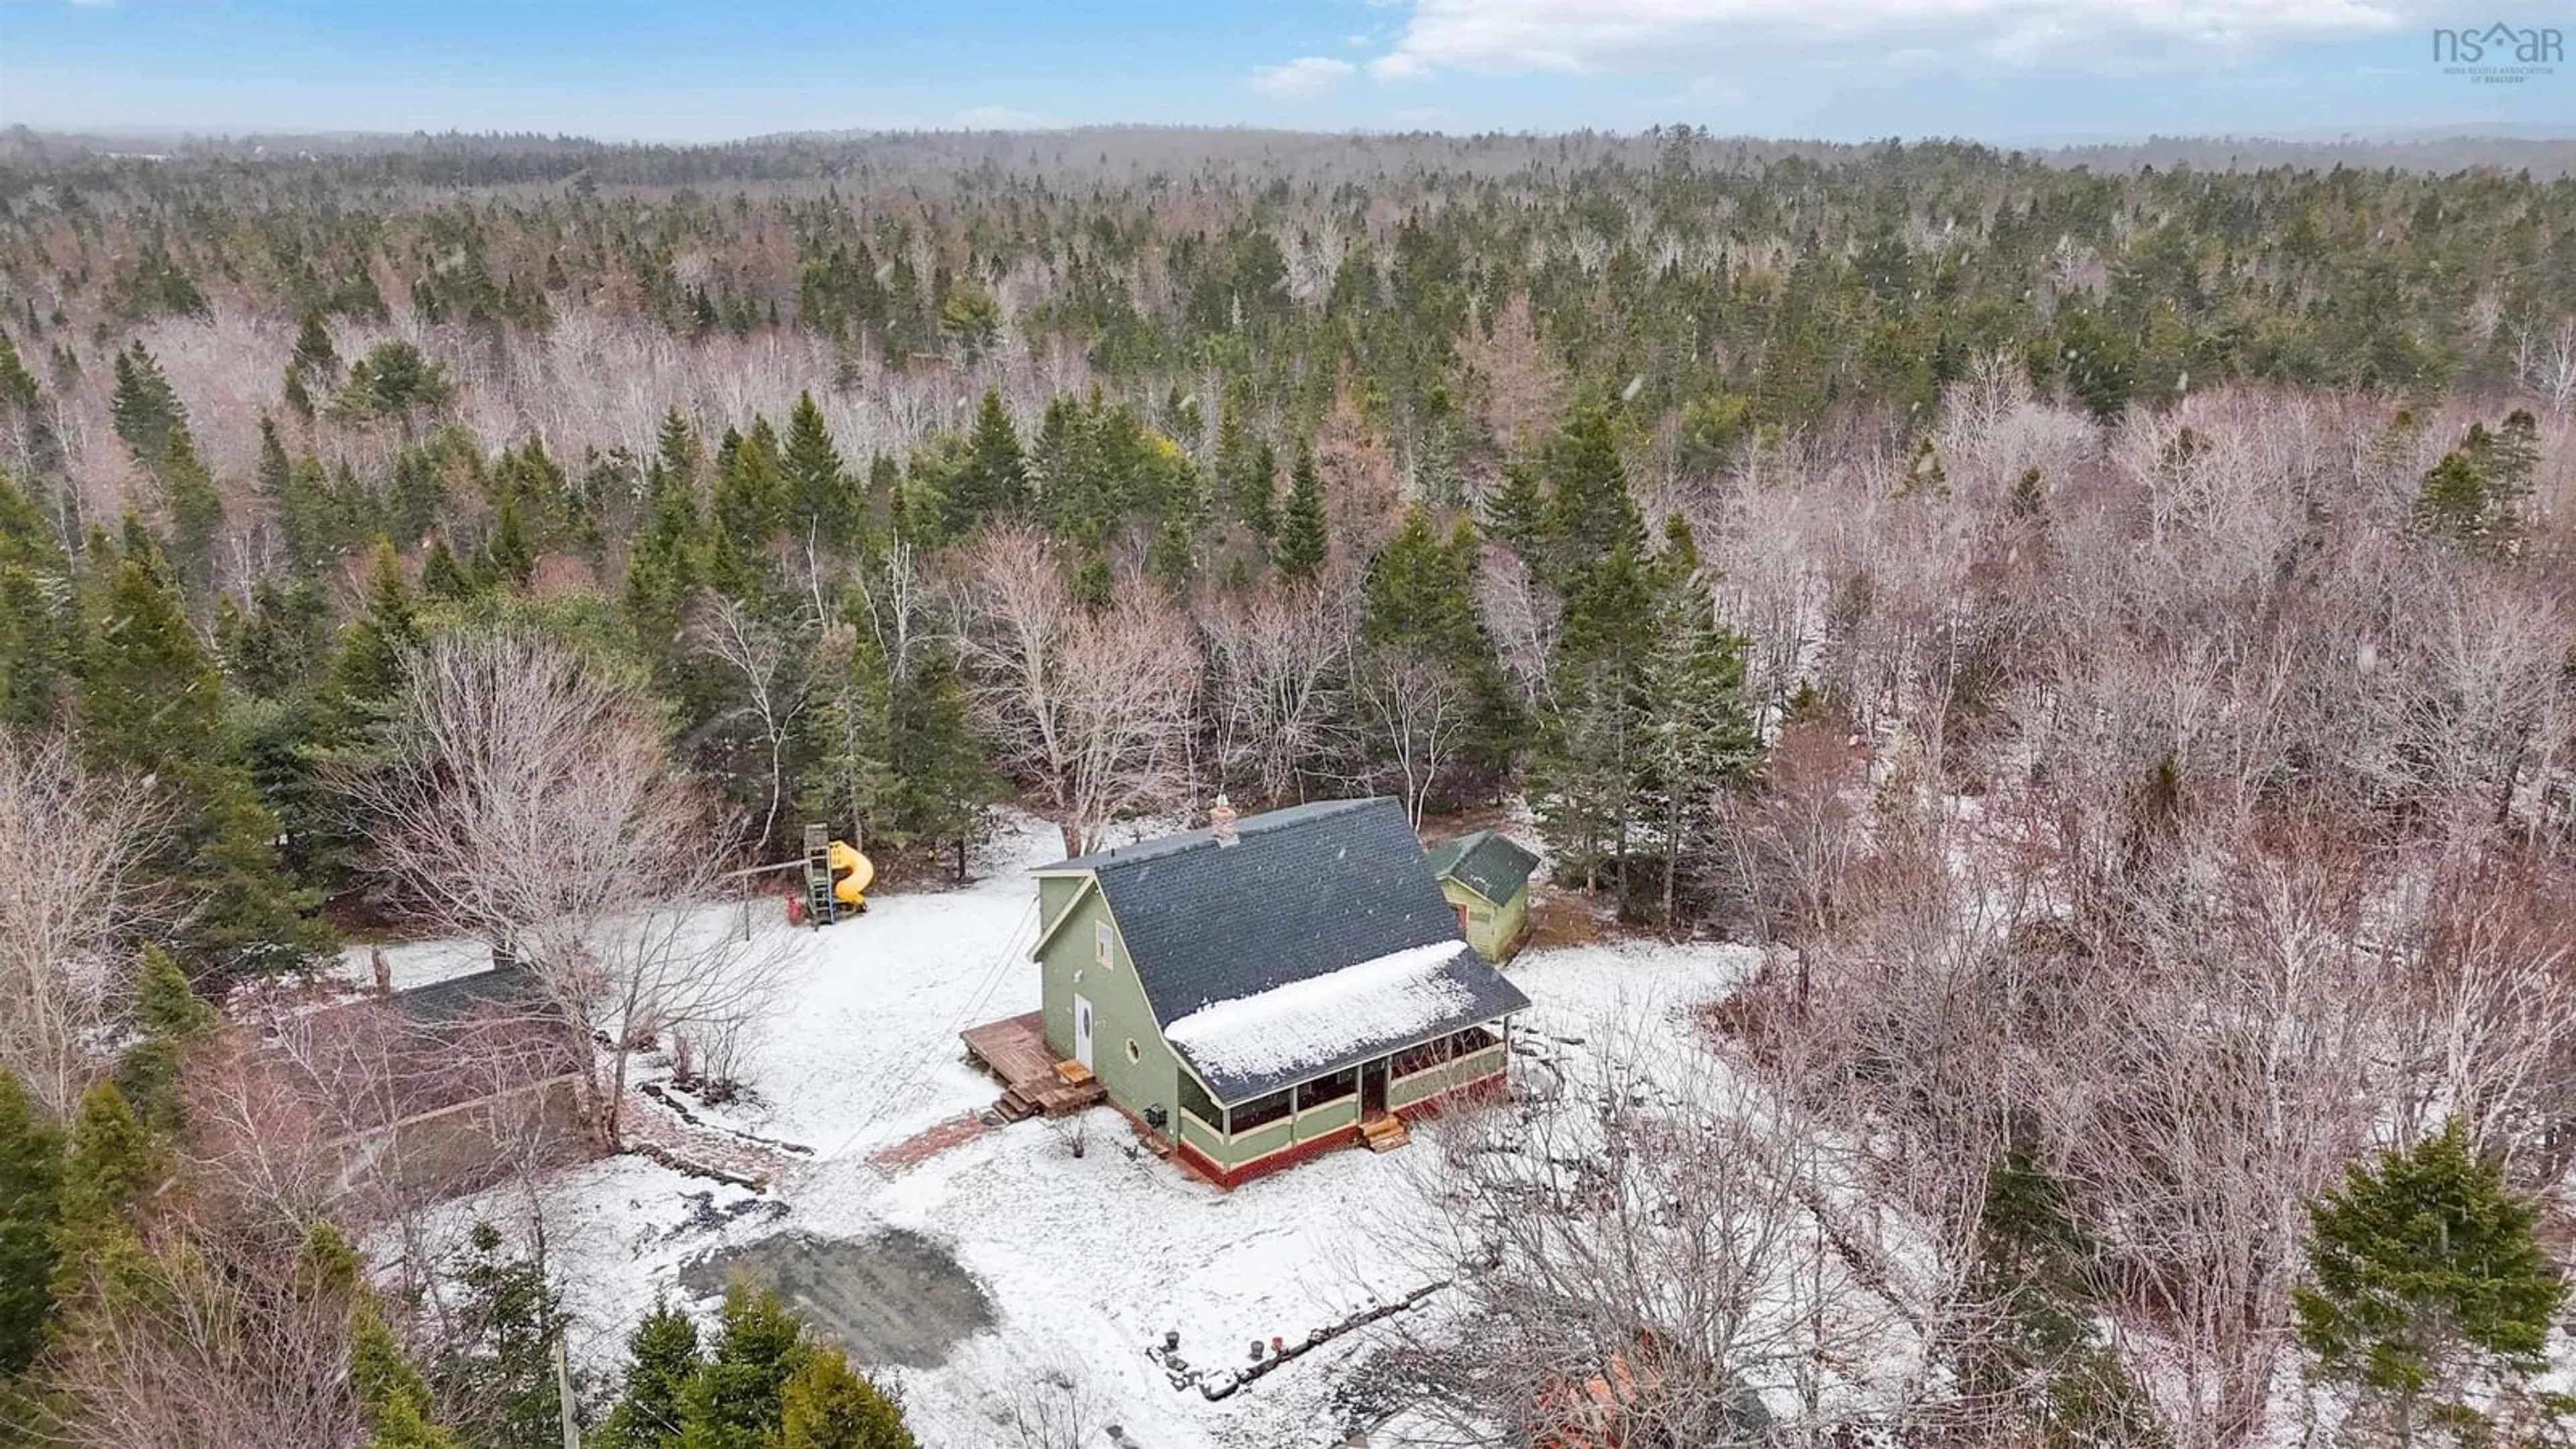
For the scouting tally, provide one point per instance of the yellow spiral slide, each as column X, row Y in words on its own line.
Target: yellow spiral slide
column 852, row 874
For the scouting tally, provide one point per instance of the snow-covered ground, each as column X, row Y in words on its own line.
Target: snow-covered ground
column 1088, row 1261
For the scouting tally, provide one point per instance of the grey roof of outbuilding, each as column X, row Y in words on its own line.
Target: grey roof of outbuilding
column 1485, row 863
column 1303, row 892
column 512, row 989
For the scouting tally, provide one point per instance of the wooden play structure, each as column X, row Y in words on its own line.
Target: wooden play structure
column 835, row 877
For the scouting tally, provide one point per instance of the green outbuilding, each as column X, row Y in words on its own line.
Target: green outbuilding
column 1486, row 879
column 1271, row 987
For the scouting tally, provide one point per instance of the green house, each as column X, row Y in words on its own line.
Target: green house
column 1265, row 989
column 1486, row 879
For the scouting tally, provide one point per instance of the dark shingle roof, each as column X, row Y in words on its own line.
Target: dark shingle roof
column 506, row 989
column 1305, row 891
column 1485, row 863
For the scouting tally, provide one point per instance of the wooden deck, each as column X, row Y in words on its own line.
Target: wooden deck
column 1015, row 1050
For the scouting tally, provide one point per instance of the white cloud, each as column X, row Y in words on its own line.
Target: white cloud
column 1307, row 75
column 1614, row 36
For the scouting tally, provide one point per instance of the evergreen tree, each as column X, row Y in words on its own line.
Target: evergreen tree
column 315, row 360
column 280, row 643
column 849, row 736
column 196, row 510
column 151, row 704
column 1516, row 514
column 444, row 577
column 676, row 452
column 826, row 1405
column 145, row 410
column 749, row 511
column 1587, row 511
column 19, row 390
column 1701, row 742
column 528, row 481
column 392, row 1397
column 819, row 489
column 664, row 566
column 368, row 666
column 942, row 779
column 1421, row 593
column 1422, row 615
column 31, row 1173
column 1593, row 744
column 39, row 626
column 325, row 512
column 661, row 1365
column 2428, row 1284
column 417, row 496
column 733, row 1402
column 273, row 475
column 393, row 381
column 497, row 1351
column 21, row 399
column 1259, row 493
column 2039, row 1268
column 171, row 1019
column 1247, row 473
column 1172, row 558
column 2473, row 493
column 509, row 557
column 1299, row 548
column 111, row 1165
column 971, row 320
column 993, row 479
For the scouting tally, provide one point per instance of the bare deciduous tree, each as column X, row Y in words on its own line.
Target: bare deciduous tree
column 2547, row 364
column 1094, row 710
column 224, row 1353
column 1421, row 710
column 1277, row 682
column 69, row 901
column 528, row 800
column 1649, row 1255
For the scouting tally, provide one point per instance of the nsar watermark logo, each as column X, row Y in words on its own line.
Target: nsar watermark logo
column 2500, row 54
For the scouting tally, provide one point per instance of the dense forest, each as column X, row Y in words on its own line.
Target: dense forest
column 2114, row 621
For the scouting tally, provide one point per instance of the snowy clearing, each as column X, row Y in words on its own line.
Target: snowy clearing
column 1088, row 1260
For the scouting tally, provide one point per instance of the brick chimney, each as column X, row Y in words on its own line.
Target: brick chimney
column 1221, row 821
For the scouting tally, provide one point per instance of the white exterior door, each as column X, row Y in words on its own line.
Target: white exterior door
column 1082, row 1030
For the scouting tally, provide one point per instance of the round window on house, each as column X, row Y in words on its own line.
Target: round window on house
column 1132, row 1053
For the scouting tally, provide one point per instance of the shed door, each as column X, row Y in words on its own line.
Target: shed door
column 1082, row 1030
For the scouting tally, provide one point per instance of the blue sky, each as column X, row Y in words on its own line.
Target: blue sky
column 2010, row 70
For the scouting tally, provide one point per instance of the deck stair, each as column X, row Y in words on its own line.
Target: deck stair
column 1034, row 1082
column 1384, row 1132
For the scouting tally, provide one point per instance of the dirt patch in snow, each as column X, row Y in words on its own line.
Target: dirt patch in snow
column 894, row 1298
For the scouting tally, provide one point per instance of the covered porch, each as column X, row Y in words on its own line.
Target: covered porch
column 1367, row 1101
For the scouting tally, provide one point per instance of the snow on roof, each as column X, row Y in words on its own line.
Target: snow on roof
column 1398, row 997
